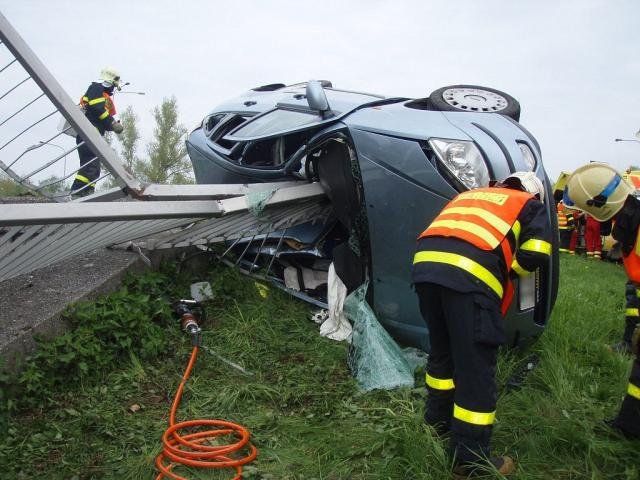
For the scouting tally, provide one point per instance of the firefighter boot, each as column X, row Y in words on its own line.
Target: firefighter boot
column 503, row 465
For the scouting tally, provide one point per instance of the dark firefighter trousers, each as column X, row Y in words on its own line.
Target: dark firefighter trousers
column 628, row 419
column 465, row 331
column 565, row 239
column 89, row 170
column 631, row 310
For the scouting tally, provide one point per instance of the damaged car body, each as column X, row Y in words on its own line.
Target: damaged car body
column 388, row 166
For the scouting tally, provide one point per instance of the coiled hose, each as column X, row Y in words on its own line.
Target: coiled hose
column 181, row 449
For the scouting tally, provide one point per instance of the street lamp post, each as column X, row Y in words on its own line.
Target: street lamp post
column 61, row 148
column 42, row 144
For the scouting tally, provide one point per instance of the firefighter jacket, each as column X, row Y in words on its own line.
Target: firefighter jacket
column 625, row 230
column 479, row 238
column 565, row 217
column 98, row 107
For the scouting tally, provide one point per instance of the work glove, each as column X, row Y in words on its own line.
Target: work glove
column 117, row 127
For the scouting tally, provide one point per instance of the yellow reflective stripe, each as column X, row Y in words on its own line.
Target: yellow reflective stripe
column 495, row 221
column 516, row 230
column 464, row 263
column 82, row 178
column 476, row 418
column 516, row 267
column 632, row 312
column 470, row 227
column 439, row 383
column 634, row 391
column 638, row 292
column 104, row 115
column 539, row 246
column 95, row 101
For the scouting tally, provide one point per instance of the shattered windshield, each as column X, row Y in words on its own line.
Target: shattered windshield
column 274, row 122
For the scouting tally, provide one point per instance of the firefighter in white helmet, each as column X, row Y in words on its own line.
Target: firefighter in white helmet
column 99, row 108
column 601, row 191
column 462, row 273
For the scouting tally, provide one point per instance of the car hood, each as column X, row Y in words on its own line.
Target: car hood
column 496, row 135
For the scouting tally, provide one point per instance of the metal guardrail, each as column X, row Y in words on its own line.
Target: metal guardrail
column 36, row 235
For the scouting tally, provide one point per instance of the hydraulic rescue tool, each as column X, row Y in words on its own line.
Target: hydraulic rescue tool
column 188, row 443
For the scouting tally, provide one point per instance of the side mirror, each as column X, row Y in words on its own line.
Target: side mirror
column 316, row 98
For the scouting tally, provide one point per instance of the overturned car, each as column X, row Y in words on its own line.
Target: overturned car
column 388, row 166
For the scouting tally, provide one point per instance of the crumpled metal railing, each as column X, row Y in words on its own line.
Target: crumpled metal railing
column 33, row 235
column 36, row 235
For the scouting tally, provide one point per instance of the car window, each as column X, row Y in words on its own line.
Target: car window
column 274, row 122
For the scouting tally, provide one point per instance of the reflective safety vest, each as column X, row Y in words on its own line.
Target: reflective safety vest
column 631, row 262
column 109, row 106
column 563, row 218
column 482, row 217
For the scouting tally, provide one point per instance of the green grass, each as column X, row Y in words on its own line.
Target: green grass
column 306, row 413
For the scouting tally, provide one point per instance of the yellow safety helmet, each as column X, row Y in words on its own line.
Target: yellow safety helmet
column 110, row 75
column 526, row 181
column 598, row 189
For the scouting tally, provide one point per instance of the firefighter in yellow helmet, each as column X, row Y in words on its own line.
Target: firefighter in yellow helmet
column 566, row 225
column 601, row 191
column 98, row 106
column 461, row 271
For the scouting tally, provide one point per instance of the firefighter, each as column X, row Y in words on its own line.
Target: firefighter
column 565, row 226
column 600, row 190
column 631, row 317
column 592, row 238
column 462, row 273
column 578, row 223
column 99, row 108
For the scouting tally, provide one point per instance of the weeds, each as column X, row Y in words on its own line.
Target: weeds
column 129, row 323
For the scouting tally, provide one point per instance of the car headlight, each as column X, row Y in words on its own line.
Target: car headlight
column 527, row 154
column 463, row 160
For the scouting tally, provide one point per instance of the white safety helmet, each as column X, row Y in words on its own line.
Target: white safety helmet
column 110, row 76
column 526, row 181
column 598, row 189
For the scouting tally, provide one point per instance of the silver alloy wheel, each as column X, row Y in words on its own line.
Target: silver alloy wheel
column 474, row 100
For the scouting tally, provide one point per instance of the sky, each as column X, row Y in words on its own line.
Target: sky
column 573, row 65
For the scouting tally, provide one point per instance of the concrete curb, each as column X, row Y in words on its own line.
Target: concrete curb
column 32, row 304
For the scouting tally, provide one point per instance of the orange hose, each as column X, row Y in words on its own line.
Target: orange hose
column 189, row 450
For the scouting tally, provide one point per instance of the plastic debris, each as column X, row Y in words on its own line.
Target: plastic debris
column 263, row 290
column 374, row 358
column 337, row 326
column 319, row 316
column 201, row 291
column 415, row 357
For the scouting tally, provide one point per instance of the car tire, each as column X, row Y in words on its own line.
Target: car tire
column 473, row 98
